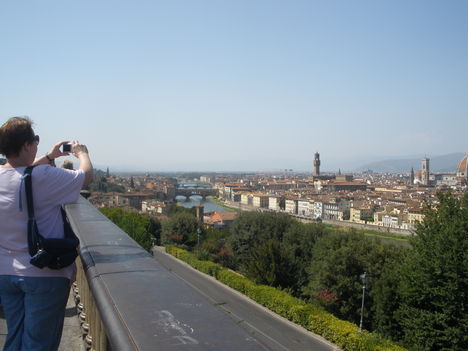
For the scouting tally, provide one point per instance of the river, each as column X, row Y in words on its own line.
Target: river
column 195, row 200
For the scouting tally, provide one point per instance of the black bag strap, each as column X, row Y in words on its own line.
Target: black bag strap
column 34, row 238
column 28, row 188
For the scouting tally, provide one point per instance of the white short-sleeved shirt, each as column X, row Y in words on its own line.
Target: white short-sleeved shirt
column 52, row 187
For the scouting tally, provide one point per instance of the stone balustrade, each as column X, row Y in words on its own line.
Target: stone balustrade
column 128, row 301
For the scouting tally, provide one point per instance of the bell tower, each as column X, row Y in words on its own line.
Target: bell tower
column 425, row 171
column 316, row 164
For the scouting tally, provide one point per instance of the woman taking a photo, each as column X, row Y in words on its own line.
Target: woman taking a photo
column 34, row 299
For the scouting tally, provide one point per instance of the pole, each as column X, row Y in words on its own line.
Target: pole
column 363, row 278
column 198, row 240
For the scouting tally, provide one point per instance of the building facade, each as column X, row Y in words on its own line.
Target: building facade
column 290, row 206
column 260, row 200
column 303, row 208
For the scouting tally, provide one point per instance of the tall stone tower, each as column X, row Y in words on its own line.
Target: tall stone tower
column 425, row 171
column 199, row 212
column 316, row 164
column 411, row 176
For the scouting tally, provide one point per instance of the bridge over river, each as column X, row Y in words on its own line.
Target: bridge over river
column 203, row 192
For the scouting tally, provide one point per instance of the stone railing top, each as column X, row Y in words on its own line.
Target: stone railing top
column 143, row 306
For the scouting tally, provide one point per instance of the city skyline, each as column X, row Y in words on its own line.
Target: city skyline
column 403, row 165
column 173, row 86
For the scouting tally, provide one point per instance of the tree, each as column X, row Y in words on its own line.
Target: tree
column 214, row 242
column 338, row 260
column 154, row 228
column 300, row 238
column 250, row 233
column 434, row 279
column 274, row 249
column 386, row 297
column 252, row 227
column 181, row 228
column 272, row 264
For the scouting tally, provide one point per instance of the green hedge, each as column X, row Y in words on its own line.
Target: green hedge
column 311, row 317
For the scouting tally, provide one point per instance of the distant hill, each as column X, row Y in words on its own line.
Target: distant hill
column 437, row 164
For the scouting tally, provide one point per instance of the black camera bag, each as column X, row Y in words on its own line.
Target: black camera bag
column 48, row 252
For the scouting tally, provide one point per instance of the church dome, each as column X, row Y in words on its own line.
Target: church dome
column 462, row 169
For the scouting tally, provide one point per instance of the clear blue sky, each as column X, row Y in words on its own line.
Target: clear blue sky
column 241, row 84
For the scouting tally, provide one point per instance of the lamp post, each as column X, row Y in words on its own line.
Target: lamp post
column 363, row 280
column 198, row 240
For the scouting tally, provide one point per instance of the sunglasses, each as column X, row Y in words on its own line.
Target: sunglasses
column 36, row 138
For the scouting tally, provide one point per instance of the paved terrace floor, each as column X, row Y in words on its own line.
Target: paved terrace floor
column 71, row 337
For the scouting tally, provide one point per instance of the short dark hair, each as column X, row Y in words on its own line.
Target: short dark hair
column 14, row 133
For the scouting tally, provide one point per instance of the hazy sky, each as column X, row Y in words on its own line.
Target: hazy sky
column 247, row 85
